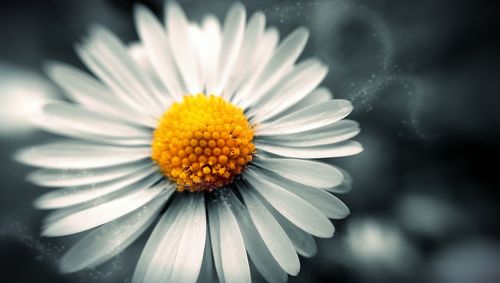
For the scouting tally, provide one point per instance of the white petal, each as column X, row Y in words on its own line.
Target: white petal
column 243, row 68
column 333, row 133
column 324, row 151
column 308, row 118
column 232, row 38
column 166, row 264
column 79, row 155
column 325, row 202
column 263, row 54
column 197, row 39
column 60, row 198
column 87, row 91
column 189, row 257
column 295, row 209
column 214, row 225
column 210, row 52
column 95, row 62
column 317, row 96
column 255, row 246
column 63, row 212
column 165, row 231
column 139, row 55
column 265, row 50
column 55, row 125
column 103, row 213
column 92, row 122
column 207, row 267
column 112, row 238
column 346, row 185
column 289, row 90
column 162, row 266
column 283, row 58
column 68, row 178
column 155, row 40
column 143, row 86
column 183, row 51
column 271, row 232
column 114, row 57
column 307, row 172
column 303, row 242
column 233, row 255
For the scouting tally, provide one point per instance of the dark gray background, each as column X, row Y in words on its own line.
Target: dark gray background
column 423, row 76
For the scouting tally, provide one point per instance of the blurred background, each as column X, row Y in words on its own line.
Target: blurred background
column 423, row 77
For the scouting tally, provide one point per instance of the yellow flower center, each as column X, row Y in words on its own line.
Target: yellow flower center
column 202, row 143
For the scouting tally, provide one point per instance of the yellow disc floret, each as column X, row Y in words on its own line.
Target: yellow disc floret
column 202, row 143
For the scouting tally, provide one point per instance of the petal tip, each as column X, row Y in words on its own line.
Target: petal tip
column 22, row 156
column 47, row 232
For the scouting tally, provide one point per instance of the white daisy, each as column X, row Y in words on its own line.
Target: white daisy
column 209, row 130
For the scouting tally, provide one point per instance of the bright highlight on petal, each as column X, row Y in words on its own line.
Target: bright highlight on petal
column 202, row 143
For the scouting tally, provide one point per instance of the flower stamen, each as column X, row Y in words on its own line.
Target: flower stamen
column 202, row 143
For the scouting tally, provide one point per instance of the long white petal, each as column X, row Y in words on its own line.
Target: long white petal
column 189, row 257
column 271, row 232
column 78, row 177
column 265, row 51
column 263, row 54
column 327, row 203
column 233, row 254
column 197, row 41
column 308, row 118
column 183, row 51
column 333, row 133
column 289, row 90
column 255, row 246
column 96, row 63
column 64, row 212
column 295, row 209
column 60, row 198
column 112, row 238
column 317, row 96
column 103, row 213
column 116, row 60
column 155, row 40
column 142, row 84
column 243, row 68
column 92, row 122
column 67, row 211
column 302, row 241
column 79, row 155
column 232, row 38
column 210, row 52
column 215, row 238
column 207, row 267
column 164, row 264
column 55, row 125
column 283, row 58
column 55, row 215
column 324, row 151
column 86, row 90
column 307, row 172
column 149, row 265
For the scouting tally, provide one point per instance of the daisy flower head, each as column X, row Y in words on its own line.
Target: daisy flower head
column 208, row 131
